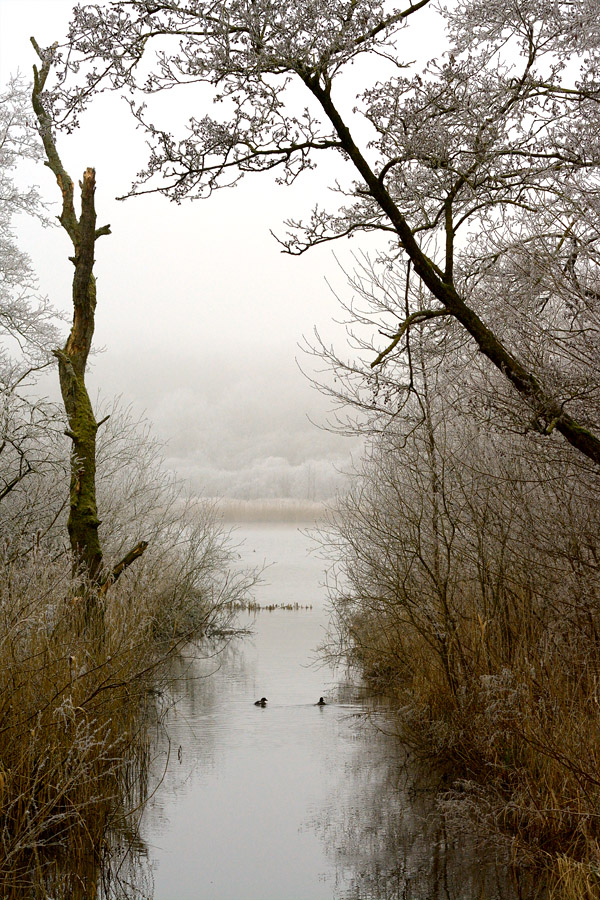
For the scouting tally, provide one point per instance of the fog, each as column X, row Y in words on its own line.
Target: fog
column 242, row 427
column 199, row 313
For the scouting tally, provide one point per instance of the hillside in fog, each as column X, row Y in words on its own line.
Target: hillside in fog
column 231, row 435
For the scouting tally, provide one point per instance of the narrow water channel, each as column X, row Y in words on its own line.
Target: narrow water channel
column 295, row 801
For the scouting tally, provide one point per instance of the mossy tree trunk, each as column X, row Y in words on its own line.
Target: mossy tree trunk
column 72, row 358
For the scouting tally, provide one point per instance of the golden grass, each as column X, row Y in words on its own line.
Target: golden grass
column 572, row 880
column 74, row 692
column 78, row 692
column 517, row 720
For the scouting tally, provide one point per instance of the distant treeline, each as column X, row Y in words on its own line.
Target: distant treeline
column 273, row 477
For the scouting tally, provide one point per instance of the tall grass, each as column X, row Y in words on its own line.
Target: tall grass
column 78, row 693
column 469, row 592
column 70, row 728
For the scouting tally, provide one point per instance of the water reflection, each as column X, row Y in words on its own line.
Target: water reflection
column 295, row 800
column 389, row 842
column 126, row 871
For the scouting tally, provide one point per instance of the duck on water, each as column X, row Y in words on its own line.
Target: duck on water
column 263, row 702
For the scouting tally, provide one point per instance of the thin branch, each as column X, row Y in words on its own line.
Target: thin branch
column 121, row 566
column 415, row 318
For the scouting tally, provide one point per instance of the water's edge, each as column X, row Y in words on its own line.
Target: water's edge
column 295, row 800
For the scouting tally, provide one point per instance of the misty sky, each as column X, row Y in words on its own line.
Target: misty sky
column 199, row 313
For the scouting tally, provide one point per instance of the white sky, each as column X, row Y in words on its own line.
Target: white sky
column 198, row 311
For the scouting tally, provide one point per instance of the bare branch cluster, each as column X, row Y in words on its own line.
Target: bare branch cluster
column 482, row 164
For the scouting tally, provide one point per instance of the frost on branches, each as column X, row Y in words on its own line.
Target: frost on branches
column 27, row 334
column 480, row 168
column 25, row 318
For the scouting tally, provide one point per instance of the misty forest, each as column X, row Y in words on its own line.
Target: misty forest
column 461, row 551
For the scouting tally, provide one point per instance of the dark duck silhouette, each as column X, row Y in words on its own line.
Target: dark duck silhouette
column 261, row 702
column 321, row 702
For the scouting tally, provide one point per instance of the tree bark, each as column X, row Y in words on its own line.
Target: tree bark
column 72, row 358
column 549, row 412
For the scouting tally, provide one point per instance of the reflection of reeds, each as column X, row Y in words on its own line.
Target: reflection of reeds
column 254, row 606
column 473, row 603
column 78, row 691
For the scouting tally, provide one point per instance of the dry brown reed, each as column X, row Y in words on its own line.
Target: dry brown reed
column 72, row 690
column 269, row 509
column 78, row 693
column 471, row 596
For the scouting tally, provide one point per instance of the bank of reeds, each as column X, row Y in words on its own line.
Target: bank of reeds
column 70, row 729
column 470, row 594
column 254, row 606
column 270, row 509
column 78, row 694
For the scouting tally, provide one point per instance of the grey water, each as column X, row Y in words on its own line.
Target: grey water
column 295, row 801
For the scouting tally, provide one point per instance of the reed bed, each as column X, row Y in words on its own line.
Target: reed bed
column 74, row 693
column 270, row 509
column 80, row 688
column 255, row 606
column 475, row 606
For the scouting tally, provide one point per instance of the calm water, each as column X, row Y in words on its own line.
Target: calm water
column 294, row 801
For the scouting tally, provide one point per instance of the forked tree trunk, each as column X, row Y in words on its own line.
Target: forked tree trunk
column 72, row 358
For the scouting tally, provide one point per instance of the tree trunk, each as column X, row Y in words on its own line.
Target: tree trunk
column 72, row 359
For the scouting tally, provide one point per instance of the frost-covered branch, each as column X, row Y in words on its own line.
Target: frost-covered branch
column 465, row 153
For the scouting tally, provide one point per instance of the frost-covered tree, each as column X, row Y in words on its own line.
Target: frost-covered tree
column 27, row 332
column 480, row 169
column 26, row 318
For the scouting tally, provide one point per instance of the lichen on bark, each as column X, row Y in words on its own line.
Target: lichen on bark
column 72, row 359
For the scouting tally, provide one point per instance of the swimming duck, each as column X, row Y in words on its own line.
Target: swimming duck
column 321, row 702
column 261, row 702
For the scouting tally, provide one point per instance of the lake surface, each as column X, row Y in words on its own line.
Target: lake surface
column 295, row 801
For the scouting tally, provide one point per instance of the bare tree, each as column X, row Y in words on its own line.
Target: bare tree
column 478, row 144
column 27, row 321
column 72, row 359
